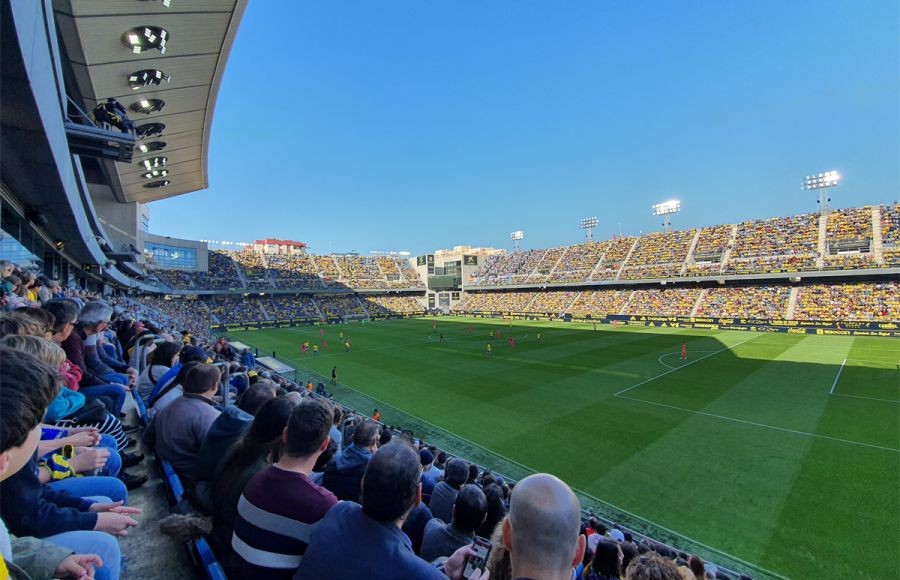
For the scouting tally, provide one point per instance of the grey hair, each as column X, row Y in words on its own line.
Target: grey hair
column 95, row 312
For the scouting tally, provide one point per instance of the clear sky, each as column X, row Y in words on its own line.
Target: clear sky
column 411, row 125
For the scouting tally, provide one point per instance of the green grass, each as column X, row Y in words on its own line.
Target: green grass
column 741, row 454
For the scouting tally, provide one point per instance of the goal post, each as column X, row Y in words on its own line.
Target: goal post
column 361, row 318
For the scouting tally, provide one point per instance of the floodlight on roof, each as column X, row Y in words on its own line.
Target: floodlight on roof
column 148, row 106
column 154, row 162
column 157, row 184
column 516, row 237
column 822, row 182
column 588, row 224
column 155, row 173
column 143, row 38
column 147, row 77
column 151, row 146
column 667, row 207
column 149, row 130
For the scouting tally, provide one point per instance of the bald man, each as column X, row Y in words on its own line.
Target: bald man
column 542, row 531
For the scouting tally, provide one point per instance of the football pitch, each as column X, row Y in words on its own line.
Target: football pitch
column 776, row 453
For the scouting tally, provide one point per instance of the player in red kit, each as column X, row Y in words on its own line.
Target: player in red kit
column 683, row 351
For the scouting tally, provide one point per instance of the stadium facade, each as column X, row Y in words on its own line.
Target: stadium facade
column 107, row 106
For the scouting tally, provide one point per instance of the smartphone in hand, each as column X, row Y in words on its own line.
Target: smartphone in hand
column 481, row 547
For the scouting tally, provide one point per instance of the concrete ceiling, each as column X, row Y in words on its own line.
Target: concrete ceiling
column 201, row 33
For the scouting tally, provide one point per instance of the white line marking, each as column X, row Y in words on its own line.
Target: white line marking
column 881, row 362
column 714, row 353
column 662, row 356
column 840, row 370
column 786, row 430
column 869, row 398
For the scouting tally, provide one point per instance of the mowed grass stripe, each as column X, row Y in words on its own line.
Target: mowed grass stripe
column 540, row 414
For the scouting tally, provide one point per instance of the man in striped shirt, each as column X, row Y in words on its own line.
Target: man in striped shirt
column 280, row 507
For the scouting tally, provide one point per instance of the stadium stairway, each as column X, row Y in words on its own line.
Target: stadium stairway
column 689, row 259
column 240, row 273
column 727, row 255
column 627, row 257
column 792, row 303
column 877, row 236
column 559, row 260
column 823, row 236
column 146, row 553
column 699, row 301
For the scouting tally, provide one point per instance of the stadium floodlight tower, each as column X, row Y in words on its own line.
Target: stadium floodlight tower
column 666, row 209
column 588, row 225
column 822, row 182
column 516, row 237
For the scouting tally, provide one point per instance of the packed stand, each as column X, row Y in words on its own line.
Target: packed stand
column 709, row 251
column 293, row 271
column 663, row 302
column 494, row 302
column 599, row 303
column 890, row 234
column 614, row 259
column 578, row 262
column 235, row 309
column 177, row 314
column 253, row 264
column 328, row 269
column 760, row 302
column 411, row 276
column 175, row 279
column 849, row 238
column 659, row 255
column 507, row 269
column 777, row 244
column 388, row 304
column 338, row 305
column 222, row 273
column 556, row 303
column 286, row 307
column 868, row 301
column 547, row 264
column 360, row 272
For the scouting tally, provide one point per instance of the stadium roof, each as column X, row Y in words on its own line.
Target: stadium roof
column 199, row 35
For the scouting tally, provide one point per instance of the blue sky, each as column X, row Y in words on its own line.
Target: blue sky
column 410, row 125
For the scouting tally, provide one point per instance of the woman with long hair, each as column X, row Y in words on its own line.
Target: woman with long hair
column 496, row 510
column 258, row 448
column 607, row 562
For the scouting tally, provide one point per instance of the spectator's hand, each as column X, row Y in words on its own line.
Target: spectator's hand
column 89, row 437
column 78, row 566
column 113, row 523
column 89, row 459
column 456, row 564
column 115, row 507
column 132, row 376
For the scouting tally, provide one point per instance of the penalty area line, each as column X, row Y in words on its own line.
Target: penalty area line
column 713, row 353
column 755, row 424
column 838, row 377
